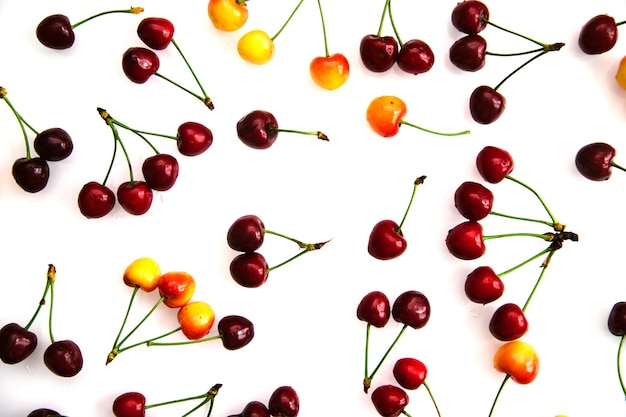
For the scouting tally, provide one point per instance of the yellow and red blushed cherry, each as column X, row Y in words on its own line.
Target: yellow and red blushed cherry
column 235, row 331
column 284, row 402
column 176, row 288
column 385, row 114
column 483, row 285
column 156, row 32
column 465, row 240
column 473, row 200
column 508, row 322
column 412, row 309
column 374, row 309
column 517, row 359
column 228, row 15
column 196, row 319
column 193, row 138
column 331, row 71
column 410, row 373
column 389, row 400
column 470, row 16
column 256, row 47
column 95, row 200
column 144, row 273
column 246, row 234
column 135, row 197
column 494, row 164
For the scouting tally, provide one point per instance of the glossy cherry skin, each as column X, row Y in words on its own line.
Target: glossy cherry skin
column 254, row 409
column 284, row 402
column 330, row 72
column 410, row 373
column 469, row 53
column 63, row 358
column 160, row 171
column 470, row 16
column 374, row 309
column 130, row 404
column 494, row 164
column 386, row 241
column 508, row 322
column 53, row 144
column 143, row 273
column 156, row 32
column 176, row 287
column 473, row 200
column 249, row 269
column 389, row 400
column 55, row 31
column 196, row 319
column 465, row 240
column 139, row 64
column 235, row 331
column 31, row 174
column 95, row 200
column 246, row 234
column 617, row 319
column 193, row 138
column 258, row 129
column 486, row 105
column 598, row 35
column 384, row 114
column 594, row 161
column 135, row 197
column 16, row 343
column 483, row 285
column 43, row 412
column 415, row 57
column 378, row 53
column 411, row 308
column 227, row 15
column 517, row 359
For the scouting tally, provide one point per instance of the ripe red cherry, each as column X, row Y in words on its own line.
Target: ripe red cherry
column 378, row 53
column 160, row 171
column 16, row 343
column 598, row 35
column 53, row 144
column 470, row 16
column 156, row 32
column 415, row 57
column 473, row 200
column 235, row 331
column 43, row 412
column 411, row 308
column 508, row 322
column 31, row 174
column 95, row 200
column 130, row 404
column 465, row 240
column 63, row 358
column 253, row 409
column 617, row 319
column 135, row 197
column 139, row 64
column 284, row 402
column 55, row 31
column 483, row 285
column 246, row 234
column 469, row 53
column 594, row 161
column 410, row 373
column 249, row 269
column 486, row 105
column 193, row 138
column 374, row 309
column 494, row 164
column 386, row 240
column 389, row 400
column 258, row 129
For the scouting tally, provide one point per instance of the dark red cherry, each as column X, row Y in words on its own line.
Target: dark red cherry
column 135, row 197
column 508, row 323
column 63, row 358
column 389, row 400
column 411, row 308
column 494, row 164
column 53, row 144
column 31, row 174
column 246, row 234
column 410, row 373
column 594, row 161
column 95, row 200
column 139, row 64
column 473, row 200
column 43, row 412
column 16, row 343
column 249, row 269
column 378, row 53
column 130, row 404
column 465, row 240
column 258, row 129
column 415, row 57
column 617, row 319
column 235, row 331
column 374, row 309
column 598, row 35
column 486, row 105
column 284, row 402
column 483, row 285
column 469, row 53
column 156, row 32
column 55, row 31
column 160, row 171
column 253, row 409
column 470, row 16
column 193, row 138
column 386, row 240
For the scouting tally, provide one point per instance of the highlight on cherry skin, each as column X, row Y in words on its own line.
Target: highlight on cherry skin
column 596, row 160
column 598, row 35
column 284, row 402
column 465, row 240
column 473, row 200
column 483, row 285
column 389, row 400
column 228, row 15
column 374, row 309
column 494, row 164
column 470, row 16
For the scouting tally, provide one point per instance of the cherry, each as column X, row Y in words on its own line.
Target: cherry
column 135, row 197
column 43, row 412
column 253, row 409
column 508, row 322
column 470, row 16
column 246, row 234
column 53, row 144
column 483, row 285
column 415, row 57
column 389, row 400
column 139, row 64
column 129, row 404
column 249, row 269
column 486, row 104
column 594, row 161
column 196, row 319
column 143, row 273
column 259, row 130
column 64, row 358
column 410, row 373
column 193, row 138
column 494, row 164
column 284, row 402
column 95, row 200
column 156, row 32
column 16, row 343
column 378, row 53
column 176, row 288
column 465, row 240
column 228, row 15
column 374, row 308
column 617, row 319
column 160, row 171
column 598, row 35
column 31, row 174
column 469, row 53
column 235, row 331
column 411, row 308
column 473, row 200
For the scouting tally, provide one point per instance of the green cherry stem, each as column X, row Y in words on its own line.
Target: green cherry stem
column 416, row 183
column 50, row 277
column 543, row 236
column 132, row 10
column 287, row 21
column 547, row 223
column 432, row 397
column 621, row 168
column 142, row 134
column 495, row 400
column 366, row 379
column 306, row 248
column 20, row 120
column 130, row 303
column 52, row 272
column 619, row 364
column 116, row 136
column 382, row 19
column 207, row 100
column 150, row 342
column 464, row 132
column 544, row 266
column 393, row 24
column 153, row 342
column 543, row 45
column 553, row 47
column 319, row 5
column 367, row 382
column 557, row 226
column 317, row 133
column 207, row 397
column 521, row 264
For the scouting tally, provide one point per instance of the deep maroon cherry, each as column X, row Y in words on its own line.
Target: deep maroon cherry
column 53, row 144
column 473, row 200
column 411, row 308
column 249, row 269
column 64, row 358
column 156, row 32
column 55, row 31
column 284, row 402
column 43, row 412
column 253, row 409
column 193, row 138
column 598, row 35
column 410, row 373
column 139, row 64
column 160, row 171
column 389, row 400
column 95, row 200
column 469, row 53
column 374, row 309
column 378, row 53
column 494, row 164
column 135, row 197
column 31, row 174
column 508, row 322
column 486, row 105
column 386, row 240
column 258, row 129
column 465, row 240
column 235, row 331
column 16, row 343
column 470, row 16
column 483, row 285
column 246, row 234
column 594, row 161
column 415, row 57
column 617, row 319
column 130, row 404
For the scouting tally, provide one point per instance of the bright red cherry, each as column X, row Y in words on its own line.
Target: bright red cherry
column 63, row 358
column 135, row 197
column 130, row 404
column 258, row 129
column 594, row 161
column 411, row 308
column 193, row 138
column 31, row 174
column 56, row 32
column 139, row 64
column 246, row 234
column 284, row 402
column 378, row 53
column 483, row 285
column 494, row 164
column 16, row 343
column 410, row 373
column 160, row 171
column 469, row 53
column 386, row 240
column 598, row 35
column 465, row 240
column 53, row 144
column 617, row 319
column 415, row 57
column 508, row 322
column 389, row 400
column 249, row 269
column 470, row 16
column 486, row 105
column 235, row 331
column 156, row 32
column 95, row 200
column 374, row 309
column 473, row 200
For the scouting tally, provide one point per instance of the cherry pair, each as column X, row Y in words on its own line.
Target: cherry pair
column 283, row 402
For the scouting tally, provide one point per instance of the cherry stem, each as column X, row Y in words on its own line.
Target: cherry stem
column 393, row 24
column 495, row 400
column 368, row 380
column 306, row 248
column 287, row 21
column 432, row 397
column 547, row 223
column 133, row 10
column 416, row 183
column 554, row 47
column 301, row 244
column 619, row 361
column 140, row 133
column 613, row 164
column 110, row 121
column 543, row 236
column 20, row 120
column 185, row 342
column 382, row 18
column 544, row 266
column 319, row 5
column 532, row 258
column 317, row 133
column 148, row 342
column 543, row 45
column 209, row 396
column 532, row 51
column 132, row 299
column 557, row 226
column 404, row 122
column 50, row 277
column 206, row 100
column 405, row 413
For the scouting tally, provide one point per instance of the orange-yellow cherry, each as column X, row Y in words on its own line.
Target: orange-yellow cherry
column 620, row 77
column 228, row 15
column 517, row 359
column 196, row 319
column 330, row 72
column 176, row 288
column 385, row 114
column 143, row 273
column 256, row 47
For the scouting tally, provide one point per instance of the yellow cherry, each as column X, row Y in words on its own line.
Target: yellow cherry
column 620, row 77
column 144, row 273
column 196, row 319
column 256, row 47
column 228, row 15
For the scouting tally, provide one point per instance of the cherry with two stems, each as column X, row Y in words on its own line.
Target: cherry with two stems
column 329, row 71
column 599, row 34
column 596, row 160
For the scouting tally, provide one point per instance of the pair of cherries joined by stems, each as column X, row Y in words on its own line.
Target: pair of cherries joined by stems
column 250, row 268
column 62, row 357
column 486, row 104
column 195, row 318
column 283, row 402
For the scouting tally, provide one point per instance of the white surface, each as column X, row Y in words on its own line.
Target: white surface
column 307, row 332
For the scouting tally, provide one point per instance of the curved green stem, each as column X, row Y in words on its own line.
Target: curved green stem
column 42, row 300
column 555, row 223
column 149, row 342
column 621, row 168
column 319, row 5
column 532, row 51
column 50, row 314
column 393, row 24
column 619, row 362
column 382, row 19
column 317, row 133
column 20, row 120
column 405, row 413
column 298, row 242
column 432, row 397
column 532, row 292
column 199, row 97
column 133, row 10
column 185, row 342
column 287, row 21
column 116, row 135
column 495, row 400
column 464, row 132
column 547, row 223
column 532, row 258
column 368, row 379
column 416, row 183
column 130, row 303
column 543, row 45
column 519, row 68
column 299, row 254
column 207, row 100
column 538, row 235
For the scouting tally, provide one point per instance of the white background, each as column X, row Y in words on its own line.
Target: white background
column 307, row 333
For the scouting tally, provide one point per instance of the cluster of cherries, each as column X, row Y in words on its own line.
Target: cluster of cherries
column 283, row 402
